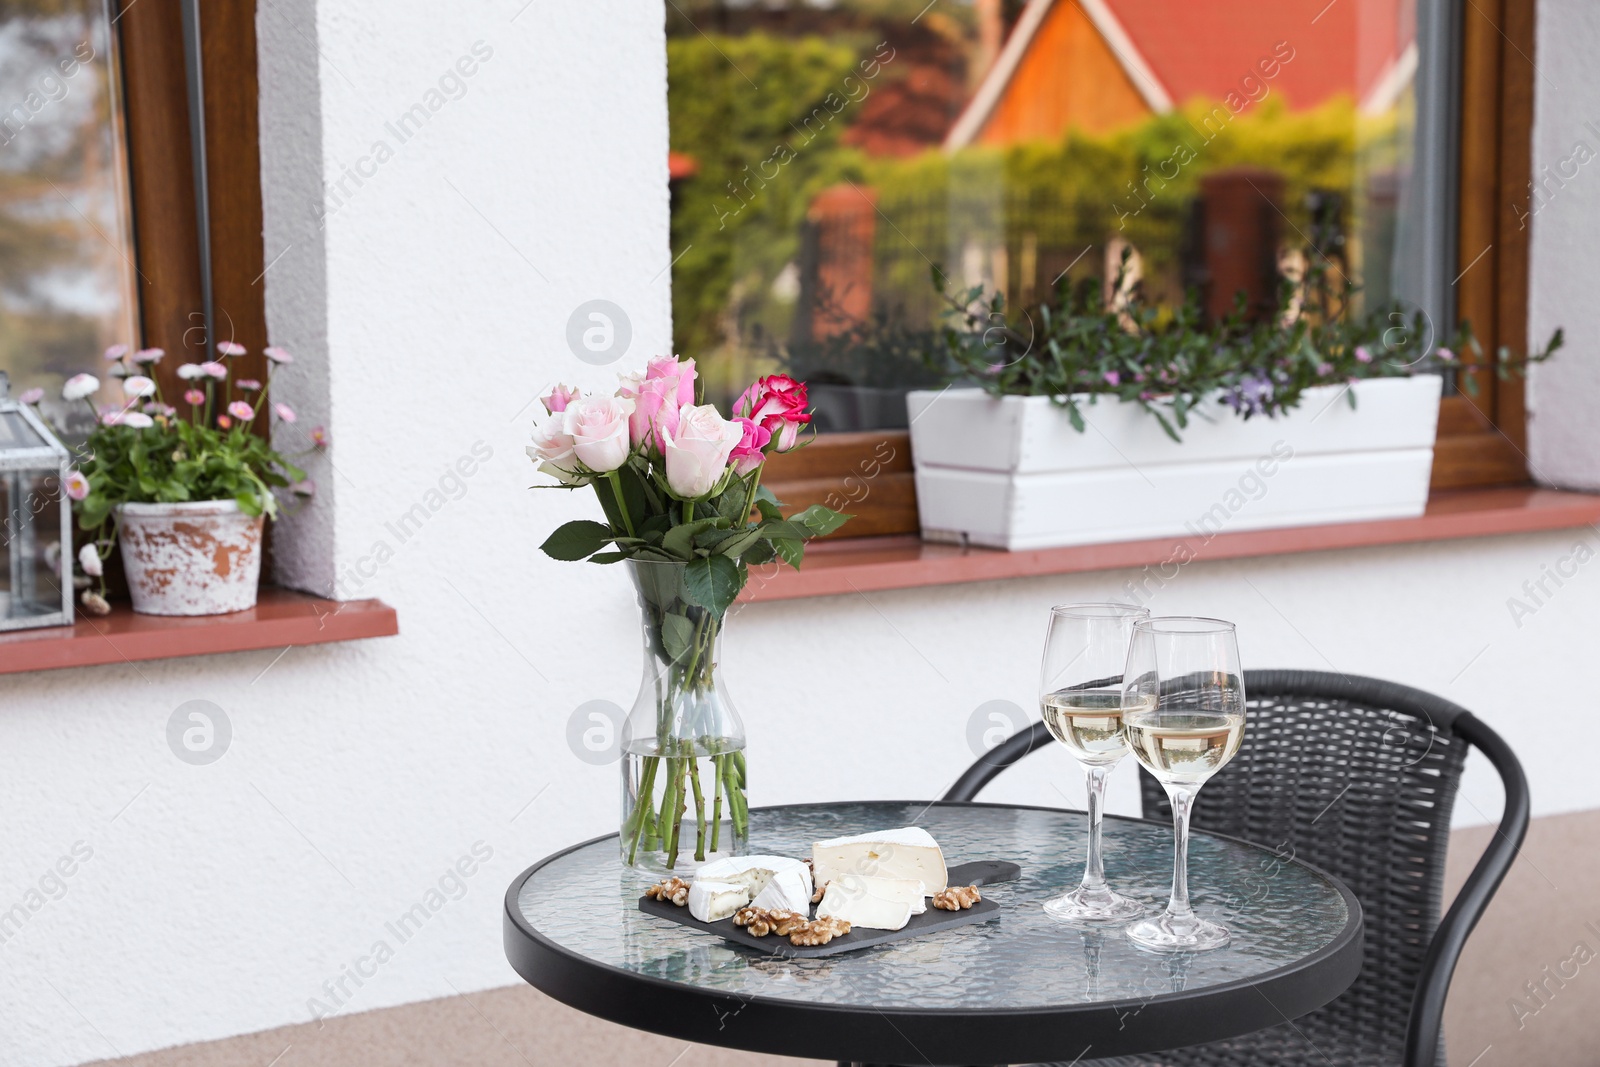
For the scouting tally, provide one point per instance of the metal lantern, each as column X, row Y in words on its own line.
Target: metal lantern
column 36, row 582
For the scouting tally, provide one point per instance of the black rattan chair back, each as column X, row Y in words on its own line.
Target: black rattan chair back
column 1358, row 777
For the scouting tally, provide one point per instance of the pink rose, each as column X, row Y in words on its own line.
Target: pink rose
column 747, row 455
column 655, row 409
column 599, row 429
column 682, row 372
column 559, row 398
column 777, row 402
column 697, row 450
column 554, row 450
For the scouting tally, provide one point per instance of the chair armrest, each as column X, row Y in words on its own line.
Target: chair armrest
column 1438, row 966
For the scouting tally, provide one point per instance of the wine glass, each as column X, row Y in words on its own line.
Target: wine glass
column 1080, row 697
column 1183, row 695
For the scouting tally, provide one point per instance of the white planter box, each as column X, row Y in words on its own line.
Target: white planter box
column 1013, row 473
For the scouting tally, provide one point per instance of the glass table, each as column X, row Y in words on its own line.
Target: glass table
column 1018, row 989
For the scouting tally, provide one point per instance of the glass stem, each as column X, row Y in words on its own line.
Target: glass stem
column 1182, row 797
column 1094, row 871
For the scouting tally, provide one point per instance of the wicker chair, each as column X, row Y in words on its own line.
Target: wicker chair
column 1357, row 776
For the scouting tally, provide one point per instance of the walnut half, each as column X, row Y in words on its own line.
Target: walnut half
column 673, row 889
column 818, row 932
column 957, row 897
column 761, row 921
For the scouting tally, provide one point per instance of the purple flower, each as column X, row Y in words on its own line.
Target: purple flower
column 1324, row 369
column 1113, row 378
column 1446, row 355
column 1363, row 354
column 1251, row 396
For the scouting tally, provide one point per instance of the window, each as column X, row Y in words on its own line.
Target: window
column 67, row 279
column 830, row 159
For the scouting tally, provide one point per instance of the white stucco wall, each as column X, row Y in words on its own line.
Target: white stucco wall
column 426, row 315
column 1564, row 212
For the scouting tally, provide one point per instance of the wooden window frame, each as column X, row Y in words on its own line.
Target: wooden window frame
column 166, row 222
column 1482, row 437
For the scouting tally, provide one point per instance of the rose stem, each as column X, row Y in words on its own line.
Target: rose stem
column 699, row 810
column 642, row 805
column 716, row 800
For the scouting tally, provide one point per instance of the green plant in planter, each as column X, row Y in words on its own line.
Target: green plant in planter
column 146, row 451
column 1176, row 364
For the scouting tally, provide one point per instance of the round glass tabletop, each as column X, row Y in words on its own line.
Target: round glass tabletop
column 1295, row 945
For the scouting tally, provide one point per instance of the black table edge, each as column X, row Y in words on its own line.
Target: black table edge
column 941, row 1035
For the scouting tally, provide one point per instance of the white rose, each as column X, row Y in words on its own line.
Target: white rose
column 553, row 450
column 599, row 429
column 697, row 452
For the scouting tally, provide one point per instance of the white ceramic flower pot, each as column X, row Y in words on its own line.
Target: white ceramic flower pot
column 1013, row 473
column 197, row 558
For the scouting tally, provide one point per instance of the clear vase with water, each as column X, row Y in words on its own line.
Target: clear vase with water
column 684, row 777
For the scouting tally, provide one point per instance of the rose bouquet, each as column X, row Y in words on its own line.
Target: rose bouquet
column 680, row 486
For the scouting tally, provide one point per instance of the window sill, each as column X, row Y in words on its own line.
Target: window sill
column 281, row 618
column 834, row 568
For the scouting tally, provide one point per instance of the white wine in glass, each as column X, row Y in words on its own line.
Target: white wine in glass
column 1083, row 704
column 1185, row 674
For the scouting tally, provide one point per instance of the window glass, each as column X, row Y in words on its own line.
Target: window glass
column 66, row 253
column 828, row 156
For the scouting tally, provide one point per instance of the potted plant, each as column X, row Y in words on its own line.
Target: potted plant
column 680, row 488
column 1091, row 422
column 185, row 494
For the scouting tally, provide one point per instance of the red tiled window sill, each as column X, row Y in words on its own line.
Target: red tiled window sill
column 281, row 618
column 864, row 564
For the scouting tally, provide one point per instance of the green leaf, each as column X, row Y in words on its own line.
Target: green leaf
column 680, row 539
column 730, row 505
column 820, row 520
column 759, row 553
column 713, row 537
column 735, row 545
column 791, row 552
column 770, row 510
column 712, row 583
column 677, row 635
column 608, row 557
column 577, row 540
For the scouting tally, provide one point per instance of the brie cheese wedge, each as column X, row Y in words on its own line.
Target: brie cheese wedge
column 711, row 901
column 775, row 882
column 872, row 903
column 906, row 853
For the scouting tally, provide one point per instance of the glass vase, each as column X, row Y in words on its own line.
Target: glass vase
column 684, row 778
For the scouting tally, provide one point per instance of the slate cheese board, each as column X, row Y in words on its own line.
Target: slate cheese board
column 980, row 873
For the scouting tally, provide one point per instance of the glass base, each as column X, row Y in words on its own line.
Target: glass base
column 1167, row 932
column 1093, row 907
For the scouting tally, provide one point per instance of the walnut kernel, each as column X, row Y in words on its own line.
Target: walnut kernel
column 673, row 889
column 957, row 897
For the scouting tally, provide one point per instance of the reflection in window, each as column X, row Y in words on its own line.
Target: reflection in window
column 66, row 254
column 829, row 155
